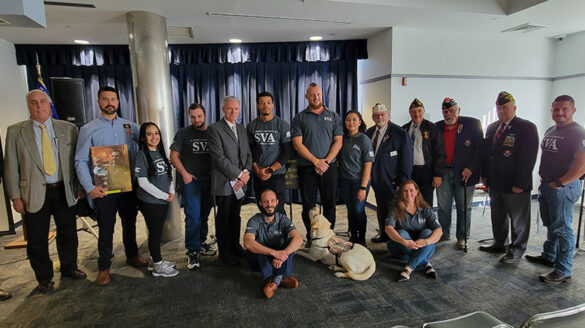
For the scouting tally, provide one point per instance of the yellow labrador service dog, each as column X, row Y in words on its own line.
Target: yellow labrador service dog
column 348, row 260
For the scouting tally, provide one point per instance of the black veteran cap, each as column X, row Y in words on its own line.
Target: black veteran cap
column 448, row 103
column 416, row 103
column 504, row 98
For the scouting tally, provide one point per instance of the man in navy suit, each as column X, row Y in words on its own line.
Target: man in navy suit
column 392, row 162
column 510, row 149
column 463, row 139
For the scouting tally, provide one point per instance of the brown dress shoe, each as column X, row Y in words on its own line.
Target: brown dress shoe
column 553, row 277
column 539, row 260
column 137, row 261
column 289, row 282
column 4, row 295
column 75, row 274
column 103, row 277
column 269, row 289
column 46, row 287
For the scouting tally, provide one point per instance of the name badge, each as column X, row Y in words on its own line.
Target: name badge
column 393, row 153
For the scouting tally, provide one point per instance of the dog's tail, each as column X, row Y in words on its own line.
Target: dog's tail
column 363, row 275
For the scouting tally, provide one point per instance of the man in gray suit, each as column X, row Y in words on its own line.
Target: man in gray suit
column 231, row 162
column 40, row 181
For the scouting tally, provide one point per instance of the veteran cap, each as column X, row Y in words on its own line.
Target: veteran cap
column 416, row 103
column 379, row 108
column 504, row 98
column 448, row 103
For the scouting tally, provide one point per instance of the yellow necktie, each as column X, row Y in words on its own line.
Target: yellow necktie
column 48, row 158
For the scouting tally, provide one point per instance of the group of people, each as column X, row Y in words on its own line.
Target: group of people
column 48, row 167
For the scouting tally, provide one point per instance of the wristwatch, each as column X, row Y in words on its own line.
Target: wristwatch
column 270, row 170
column 362, row 188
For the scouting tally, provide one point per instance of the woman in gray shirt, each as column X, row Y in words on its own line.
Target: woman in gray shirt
column 414, row 230
column 355, row 162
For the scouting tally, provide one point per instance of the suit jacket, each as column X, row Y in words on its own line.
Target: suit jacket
column 23, row 171
column 393, row 161
column 510, row 162
column 229, row 156
column 468, row 147
column 433, row 150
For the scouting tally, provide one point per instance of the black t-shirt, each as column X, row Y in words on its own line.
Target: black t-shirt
column 194, row 153
column 559, row 147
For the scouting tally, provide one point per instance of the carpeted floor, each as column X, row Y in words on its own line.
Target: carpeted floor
column 221, row 296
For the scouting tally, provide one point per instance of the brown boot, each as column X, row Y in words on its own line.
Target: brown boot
column 289, row 282
column 269, row 289
column 137, row 261
column 103, row 277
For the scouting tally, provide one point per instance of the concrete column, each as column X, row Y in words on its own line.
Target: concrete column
column 147, row 38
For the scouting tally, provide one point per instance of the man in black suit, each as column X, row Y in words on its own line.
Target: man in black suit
column 428, row 151
column 231, row 162
column 392, row 163
column 510, row 149
column 463, row 141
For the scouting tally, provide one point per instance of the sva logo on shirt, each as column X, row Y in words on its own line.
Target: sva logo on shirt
column 549, row 144
column 264, row 137
column 199, row 146
column 161, row 167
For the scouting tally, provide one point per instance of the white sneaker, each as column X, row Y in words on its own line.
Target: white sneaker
column 151, row 264
column 164, row 269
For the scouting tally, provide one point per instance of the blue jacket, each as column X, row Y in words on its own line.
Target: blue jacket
column 510, row 162
column 468, row 147
column 393, row 162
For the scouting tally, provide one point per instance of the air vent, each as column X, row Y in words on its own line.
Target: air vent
column 524, row 28
column 180, row 32
column 69, row 4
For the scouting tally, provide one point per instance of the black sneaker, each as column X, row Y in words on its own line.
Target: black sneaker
column 207, row 250
column 193, row 262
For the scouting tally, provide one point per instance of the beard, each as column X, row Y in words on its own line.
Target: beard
column 317, row 106
column 111, row 110
column 199, row 125
column 269, row 212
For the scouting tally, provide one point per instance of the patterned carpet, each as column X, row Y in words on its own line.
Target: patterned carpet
column 221, row 296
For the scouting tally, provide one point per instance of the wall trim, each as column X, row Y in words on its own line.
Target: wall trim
column 471, row 77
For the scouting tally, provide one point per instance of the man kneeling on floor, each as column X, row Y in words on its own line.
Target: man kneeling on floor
column 271, row 240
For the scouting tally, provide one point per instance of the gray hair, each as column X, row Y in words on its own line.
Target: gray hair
column 227, row 99
column 28, row 94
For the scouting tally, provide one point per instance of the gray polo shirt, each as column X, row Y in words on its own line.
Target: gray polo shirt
column 194, row 153
column 266, row 140
column 424, row 218
column 270, row 235
column 355, row 151
column 161, row 179
column 317, row 132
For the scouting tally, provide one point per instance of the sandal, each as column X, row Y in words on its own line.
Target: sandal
column 430, row 271
column 405, row 274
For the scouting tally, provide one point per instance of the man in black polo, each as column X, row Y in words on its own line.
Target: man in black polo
column 428, row 151
column 269, row 138
column 317, row 135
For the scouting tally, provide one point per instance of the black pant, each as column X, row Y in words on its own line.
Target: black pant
column 227, row 224
column 309, row 183
column 37, row 228
column 384, row 202
column 276, row 184
column 106, row 208
column 155, row 216
column 423, row 176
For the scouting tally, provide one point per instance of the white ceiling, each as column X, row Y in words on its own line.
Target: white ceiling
column 106, row 24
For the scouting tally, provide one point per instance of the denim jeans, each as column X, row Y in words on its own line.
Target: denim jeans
column 356, row 211
column 263, row 263
column 414, row 257
column 450, row 189
column 556, row 210
column 197, row 199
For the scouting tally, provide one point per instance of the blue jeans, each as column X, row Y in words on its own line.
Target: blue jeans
column 263, row 264
column 414, row 257
column 356, row 211
column 556, row 210
column 198, row 202
column 450, row 189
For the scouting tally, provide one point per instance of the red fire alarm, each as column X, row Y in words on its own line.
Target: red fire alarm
column 404, row 81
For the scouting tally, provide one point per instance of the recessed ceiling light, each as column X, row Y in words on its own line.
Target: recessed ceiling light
column 81, row 41
column 235, row 41
column 316, row 38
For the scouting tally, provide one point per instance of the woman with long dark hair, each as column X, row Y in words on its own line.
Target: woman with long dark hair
column 155, row 192
column 414, row 230
column 355, row 163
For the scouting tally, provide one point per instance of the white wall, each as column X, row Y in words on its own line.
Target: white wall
column 570, row 61
column 13, row 109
